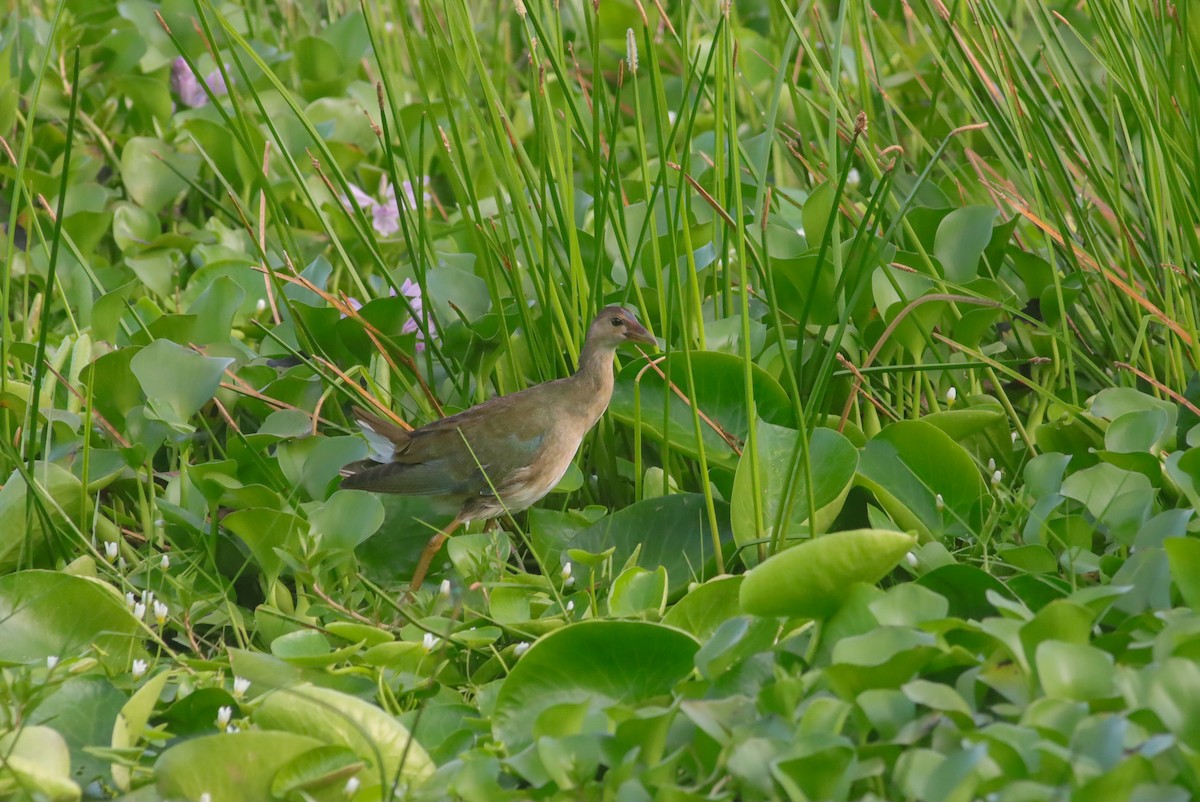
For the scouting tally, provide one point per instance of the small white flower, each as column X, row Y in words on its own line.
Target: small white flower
column 569, row 582
column 139, row 611
column 566, row 571
column 121, row 564
column 520, row 648
column 853, row 179
column 206, row 797
column 260, row 306
column 1015, row 435
column 232, row 728
column 240, row 686
column 911, row 559
column 429, row 641
column 160, row 612
column 445, row 588
column 996, row 477
column 139, row 668
column 939, row 502
column 147, row 597
column 800, row 231
column 631, row 54
column 951, row 395
column 130, row 601
column 165, row 563
column 570, row 605
column 991, row 463
column 51, row 661
column 224, row 714
column 110, row 550
column 352, row 784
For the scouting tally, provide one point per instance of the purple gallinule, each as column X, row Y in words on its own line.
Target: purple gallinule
column 504, row 454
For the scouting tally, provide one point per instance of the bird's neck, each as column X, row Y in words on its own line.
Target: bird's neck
column 596, row 370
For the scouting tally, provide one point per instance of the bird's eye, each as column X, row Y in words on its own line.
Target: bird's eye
column 616, row 321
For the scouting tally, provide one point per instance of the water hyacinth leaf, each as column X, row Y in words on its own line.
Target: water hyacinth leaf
column 637, row 592
column 831, row 453
column 346, row 518
column 24, row 539
column 1074, row 671
column 681, row 541
column 961, row 239
column 1183, row 554
column 267, row 531
column 924, row 480
column 51, row 614
column 315, row 769
column 83, row 710
column 154, row 173
column 602, row 662
column 720, row 394
column 214, row 311
column 966, row 588
column 37, row 761
column 812, row 579
column 238, row 765
column 339, row 719
column 1120, row 500
column 177, row 381
column 706, row 606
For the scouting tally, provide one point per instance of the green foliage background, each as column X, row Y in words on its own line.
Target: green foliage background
column 920, row 267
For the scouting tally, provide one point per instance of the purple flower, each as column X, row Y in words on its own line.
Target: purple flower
column 385, row 212
column 412, row 292
column 189, row 90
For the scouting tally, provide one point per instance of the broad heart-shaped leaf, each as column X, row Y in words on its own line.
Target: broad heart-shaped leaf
column 782, row 468
column 339, row 719
column 592, row 662
column 266, row 532
column 909, row 464
column 811, row 580
column 154, row 173
column 346, row 519
column 23, row 538
column 720, row 394
column 961, row 239
column 51, row 614
column 1120, row 500
column 177, row 380
column 37, row 761
column 228, row 766
column 673, row 532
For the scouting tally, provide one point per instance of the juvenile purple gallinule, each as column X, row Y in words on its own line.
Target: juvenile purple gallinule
column 504, row 454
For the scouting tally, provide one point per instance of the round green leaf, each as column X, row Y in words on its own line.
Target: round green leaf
column 382, row 742
column 778, row 451
column 177, row 380
column 146, row 170
column 811, row 580
column 672, row 532
column 604, row 662
column 228, row 766
column 50, row 614
column 961, row 239
column 909, row 464
column 720, row 393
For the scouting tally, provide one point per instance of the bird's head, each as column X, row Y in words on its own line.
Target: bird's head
column 615, row 325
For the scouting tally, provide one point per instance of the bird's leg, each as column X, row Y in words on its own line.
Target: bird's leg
column 429, row 552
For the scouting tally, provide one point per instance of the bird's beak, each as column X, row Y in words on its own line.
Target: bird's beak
column 636, row 332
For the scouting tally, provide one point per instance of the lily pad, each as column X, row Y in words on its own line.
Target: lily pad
column 591, row 662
